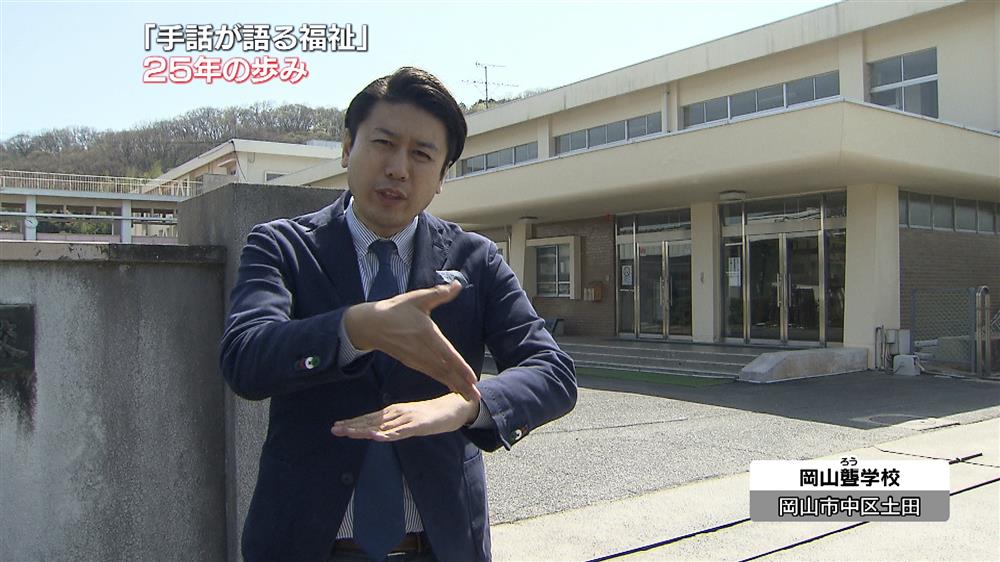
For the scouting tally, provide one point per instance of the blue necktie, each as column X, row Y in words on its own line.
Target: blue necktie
column 378, row 495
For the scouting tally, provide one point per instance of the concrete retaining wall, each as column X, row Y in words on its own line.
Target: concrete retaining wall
column 224, row 217
column 114, row 449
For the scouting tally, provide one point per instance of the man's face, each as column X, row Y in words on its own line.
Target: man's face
column 394, row 162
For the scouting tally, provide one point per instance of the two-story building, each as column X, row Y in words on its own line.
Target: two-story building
column 791, row 184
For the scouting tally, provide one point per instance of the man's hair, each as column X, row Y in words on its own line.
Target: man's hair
column 417, row 87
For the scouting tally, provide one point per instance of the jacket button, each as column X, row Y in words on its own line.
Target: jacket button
column 516, row 434
column 347, row 479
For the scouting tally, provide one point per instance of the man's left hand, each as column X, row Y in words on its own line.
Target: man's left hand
column 410, row 419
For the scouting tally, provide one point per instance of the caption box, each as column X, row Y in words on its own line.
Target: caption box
column 850, row 490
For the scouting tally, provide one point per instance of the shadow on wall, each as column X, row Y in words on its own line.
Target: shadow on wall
column 17, row 364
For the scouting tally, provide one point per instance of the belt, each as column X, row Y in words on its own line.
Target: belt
column 413, row 543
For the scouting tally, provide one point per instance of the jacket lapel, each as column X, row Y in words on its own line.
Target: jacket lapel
column 429, row 254
column 335, row 252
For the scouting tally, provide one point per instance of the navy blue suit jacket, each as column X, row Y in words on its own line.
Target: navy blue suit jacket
column 296, row 279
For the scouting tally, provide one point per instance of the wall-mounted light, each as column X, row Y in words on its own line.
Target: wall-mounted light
column 733, row 195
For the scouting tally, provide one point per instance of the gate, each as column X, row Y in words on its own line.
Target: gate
column 951, row 330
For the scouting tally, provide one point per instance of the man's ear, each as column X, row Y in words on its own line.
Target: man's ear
column 345, row 155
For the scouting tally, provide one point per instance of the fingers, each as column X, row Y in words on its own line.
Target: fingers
column 433, row 297
column 405, row 331
column 408, row 419
column 379, row 425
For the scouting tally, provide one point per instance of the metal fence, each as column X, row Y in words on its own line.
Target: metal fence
column 951, row 330
column 100, row 184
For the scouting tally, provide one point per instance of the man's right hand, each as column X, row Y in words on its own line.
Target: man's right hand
column 402, row 328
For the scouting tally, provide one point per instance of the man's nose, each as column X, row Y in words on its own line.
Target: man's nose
column 397, row 165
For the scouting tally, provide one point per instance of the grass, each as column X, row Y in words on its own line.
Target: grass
column 659, row 378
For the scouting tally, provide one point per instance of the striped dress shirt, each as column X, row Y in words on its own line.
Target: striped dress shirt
column 401, row 262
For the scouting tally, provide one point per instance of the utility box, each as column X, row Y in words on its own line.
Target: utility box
column 594, row 292
column 905, row 365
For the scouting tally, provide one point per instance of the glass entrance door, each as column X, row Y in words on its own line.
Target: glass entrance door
column 766, row 288
column 803, row 293
column 785, row 294
column 664, row 289
column 679, row 288
column 652, row 285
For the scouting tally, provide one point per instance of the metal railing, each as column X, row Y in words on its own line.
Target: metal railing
column 100, row 184
column 984, row 343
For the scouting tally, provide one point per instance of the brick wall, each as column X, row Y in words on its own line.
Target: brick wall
column 597, row 252
column 933, row 259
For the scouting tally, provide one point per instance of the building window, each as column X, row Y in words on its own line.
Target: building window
column 920, row 210
column 743, row 103
column 553, row 270
column 906, row 82
column 965, row 215
column 474, row 164
column 762, row 99
column 664, row 221
column 11, row 223
column 525, row 152
column 498, row 158
column 945, row 213
column 770, row 97
column 987, row 219
column 611, row 132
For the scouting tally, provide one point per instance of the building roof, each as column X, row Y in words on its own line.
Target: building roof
column 254, row 146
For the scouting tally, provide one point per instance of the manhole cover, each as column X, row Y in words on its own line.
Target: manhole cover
column 909, row 422
column 891, row 419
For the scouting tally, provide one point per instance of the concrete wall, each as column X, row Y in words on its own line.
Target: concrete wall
column 501, row 138
column 254, row 165
column 120, row 455
column 775, row 69
column 935, row 259
column 622, row 107
column 597, row 253
column 223, row 218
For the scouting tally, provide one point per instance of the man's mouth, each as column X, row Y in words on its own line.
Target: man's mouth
column 390, row 194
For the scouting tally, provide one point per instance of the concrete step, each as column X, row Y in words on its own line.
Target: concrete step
column 673, row 351
column 671, row 355
column 678, row 358
column 690, row 371
column 649, row 362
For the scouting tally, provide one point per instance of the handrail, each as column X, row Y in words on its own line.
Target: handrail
column 101, row 184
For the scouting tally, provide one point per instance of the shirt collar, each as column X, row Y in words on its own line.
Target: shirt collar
column 363, row 237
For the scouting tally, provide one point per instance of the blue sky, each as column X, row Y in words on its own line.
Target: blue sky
column 80, row 63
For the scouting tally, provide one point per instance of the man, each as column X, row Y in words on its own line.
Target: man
column 377, row 417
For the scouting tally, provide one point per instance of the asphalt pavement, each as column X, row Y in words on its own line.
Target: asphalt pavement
column 637, row 467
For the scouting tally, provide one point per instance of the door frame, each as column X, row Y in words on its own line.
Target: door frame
column 784, row 283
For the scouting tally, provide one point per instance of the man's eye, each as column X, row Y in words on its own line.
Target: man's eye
column 384, row 142
column 422, row 156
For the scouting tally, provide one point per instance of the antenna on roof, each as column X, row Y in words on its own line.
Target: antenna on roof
column 486, row 79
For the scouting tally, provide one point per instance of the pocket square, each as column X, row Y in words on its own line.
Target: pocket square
column 449, row 275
